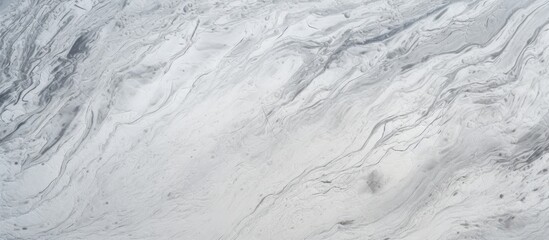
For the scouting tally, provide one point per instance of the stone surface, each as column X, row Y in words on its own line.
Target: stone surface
column 268, row 119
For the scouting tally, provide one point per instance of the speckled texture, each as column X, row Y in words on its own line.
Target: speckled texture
column 252, row 120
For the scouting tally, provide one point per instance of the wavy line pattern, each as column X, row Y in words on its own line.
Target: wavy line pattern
column 267, row 119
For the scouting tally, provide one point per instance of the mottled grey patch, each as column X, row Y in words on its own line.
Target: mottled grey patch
column 374, row 181
column 507, row 222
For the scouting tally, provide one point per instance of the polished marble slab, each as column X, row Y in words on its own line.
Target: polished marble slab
column 272, row 119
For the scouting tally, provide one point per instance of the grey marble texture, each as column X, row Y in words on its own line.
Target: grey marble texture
column 274, row 119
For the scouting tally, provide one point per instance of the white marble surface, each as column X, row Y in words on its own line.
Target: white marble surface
column 274, row 119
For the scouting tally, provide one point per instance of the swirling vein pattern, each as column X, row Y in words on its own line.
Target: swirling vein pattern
column 271, row 119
